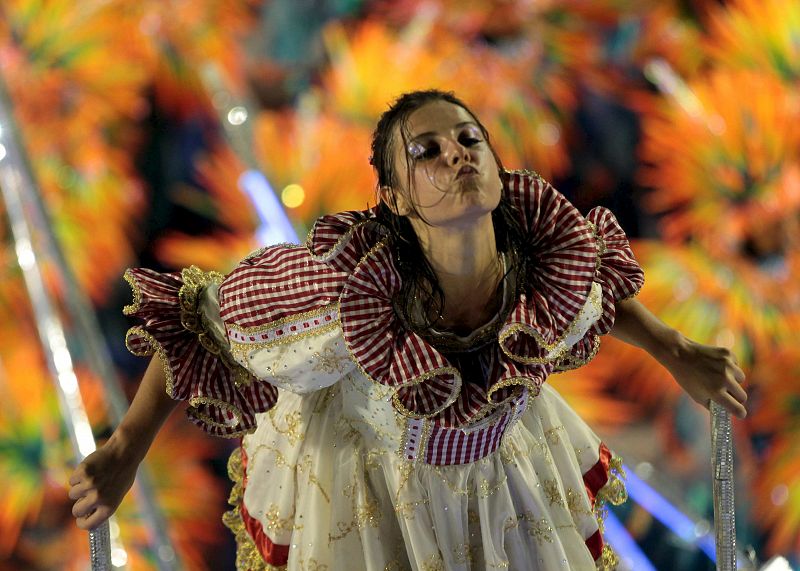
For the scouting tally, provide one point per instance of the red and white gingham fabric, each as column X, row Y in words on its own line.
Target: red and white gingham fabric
column 346, row 260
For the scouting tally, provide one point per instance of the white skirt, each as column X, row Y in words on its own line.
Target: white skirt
column 320, row 485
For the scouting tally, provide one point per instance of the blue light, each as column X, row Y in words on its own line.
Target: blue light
column 629, row 553
column 660, row 508
column 275, row 225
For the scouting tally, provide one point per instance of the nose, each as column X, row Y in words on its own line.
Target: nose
column 455, row 153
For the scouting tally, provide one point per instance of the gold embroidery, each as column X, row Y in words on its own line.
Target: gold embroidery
column 570, row 362
column 408, row 510
column 294, row 430
column 136, row 304
column 552, row 435
column 351, row 423
column 366, row 513
column 376, row 391
column 553, row 492
column 433, row 563
column 326, row 397
column 329, row 362
column 303, row 466
column 421, row 379
column 465, row 553
column 533, row 387
column 576, row 502
column 313, row 565
column 276, row 523
column 510, row 523
column 540, row 529
column 196, row 402
column 247, row 554
column 484, row 488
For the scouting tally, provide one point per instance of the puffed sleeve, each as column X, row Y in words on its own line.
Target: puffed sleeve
column 617, row 270
column 229, row 342
column 223, row 397
column 581, row 267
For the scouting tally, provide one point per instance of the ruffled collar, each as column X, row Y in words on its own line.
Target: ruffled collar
column 563, row 260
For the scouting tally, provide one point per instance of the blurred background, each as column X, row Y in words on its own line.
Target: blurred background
column 161, row 132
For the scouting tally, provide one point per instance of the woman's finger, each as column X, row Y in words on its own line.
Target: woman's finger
column 736, row 391
column 85, row 505
column 78, row 475
column 79, row 490
column 97, row 517
column 738, row 374
column 730, row 404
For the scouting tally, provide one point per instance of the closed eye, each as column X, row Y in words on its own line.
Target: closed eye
column 421, row 152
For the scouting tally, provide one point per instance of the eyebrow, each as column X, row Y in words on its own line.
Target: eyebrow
column 456, row 126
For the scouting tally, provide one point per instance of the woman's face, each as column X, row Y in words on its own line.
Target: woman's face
column 455, row 178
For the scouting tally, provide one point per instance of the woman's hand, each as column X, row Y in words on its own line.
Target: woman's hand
column 101, row 481
column 707, row 374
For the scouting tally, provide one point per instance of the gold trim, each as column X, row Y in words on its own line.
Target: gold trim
column 242, row 350
column 527, row 172
column 608, row 560
column 613, row 492
column 571, row 329
column 518, row 381
column 288, row 319
column 633, row 294
column 136, row 304
column 247, row 554
column 421, row 379
column 336, row 249
column 153, row 347
column 568, row 362
column 194, row 280
column 415, row 380
column 194, row 402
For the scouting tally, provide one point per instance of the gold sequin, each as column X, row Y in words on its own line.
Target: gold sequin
column 608, row 560
column 327, row 361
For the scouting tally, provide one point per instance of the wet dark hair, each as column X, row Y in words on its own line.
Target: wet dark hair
column 419, row 282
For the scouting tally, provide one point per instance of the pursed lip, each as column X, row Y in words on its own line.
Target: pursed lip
column 466, row 170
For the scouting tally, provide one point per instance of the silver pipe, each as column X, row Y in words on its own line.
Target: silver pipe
column 16, row 182
column 724, row 508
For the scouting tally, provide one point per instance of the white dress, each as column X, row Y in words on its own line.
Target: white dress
column 367, row 447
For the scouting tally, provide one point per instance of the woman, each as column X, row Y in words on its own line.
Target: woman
column 388, row 376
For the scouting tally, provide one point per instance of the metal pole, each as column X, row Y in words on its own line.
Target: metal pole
column 26, row 211
column 724, row 509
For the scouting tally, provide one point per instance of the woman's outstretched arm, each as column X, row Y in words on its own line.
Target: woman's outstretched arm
column 705, row 372
column 104, row 477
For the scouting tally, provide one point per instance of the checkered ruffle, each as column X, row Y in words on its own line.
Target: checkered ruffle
column 567, row 260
